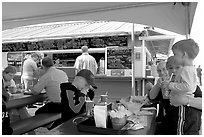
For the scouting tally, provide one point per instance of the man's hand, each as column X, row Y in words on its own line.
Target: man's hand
column 84, row 91
column 32, row 91
column 165, row 85
column 178, row 100
column 159, row 82
column 82, row 99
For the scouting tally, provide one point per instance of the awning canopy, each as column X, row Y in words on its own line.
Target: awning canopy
column 173, row 16
column 71, row 29
column 80, row 29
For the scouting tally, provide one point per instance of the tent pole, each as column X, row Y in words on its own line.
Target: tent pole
column 187, row 19
column 133, row 60
column 143, row 57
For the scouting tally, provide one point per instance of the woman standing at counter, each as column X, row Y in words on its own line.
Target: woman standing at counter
column 29, row 68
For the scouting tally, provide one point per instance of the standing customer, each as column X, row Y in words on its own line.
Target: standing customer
column 50, row 81
column 185, row 51
column 29, row 68
column 199, row 74
column 85, row 61
column 193, row 103
column 169, row 123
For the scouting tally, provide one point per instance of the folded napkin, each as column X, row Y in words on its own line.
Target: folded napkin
column 100, row 115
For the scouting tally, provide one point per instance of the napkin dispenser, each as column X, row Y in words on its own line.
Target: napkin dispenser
column 100, row 115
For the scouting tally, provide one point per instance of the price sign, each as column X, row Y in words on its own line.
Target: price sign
column 119, row 58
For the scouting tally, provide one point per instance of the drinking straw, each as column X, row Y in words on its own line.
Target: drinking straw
column 171, row 76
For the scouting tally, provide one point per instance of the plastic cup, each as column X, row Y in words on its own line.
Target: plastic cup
column 11, row 89
column 89, row 107
column 165, row 93
column 118, row 123
column 104, row 98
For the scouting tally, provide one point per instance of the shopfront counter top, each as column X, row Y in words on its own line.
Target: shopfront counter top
column 116, row 86
column 120, row 78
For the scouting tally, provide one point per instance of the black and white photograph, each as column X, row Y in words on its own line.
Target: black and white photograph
column 102, row 67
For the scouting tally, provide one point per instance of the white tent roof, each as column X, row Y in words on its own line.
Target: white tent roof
column 80, row 29
column 68, row 30
column 175, row 17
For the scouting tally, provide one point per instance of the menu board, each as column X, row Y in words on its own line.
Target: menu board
column 119, row 58
column 60, row 44
column 66, row 59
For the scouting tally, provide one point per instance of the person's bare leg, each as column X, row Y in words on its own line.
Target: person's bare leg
column 23, row 112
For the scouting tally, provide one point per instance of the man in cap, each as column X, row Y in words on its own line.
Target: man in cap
column 73, row 94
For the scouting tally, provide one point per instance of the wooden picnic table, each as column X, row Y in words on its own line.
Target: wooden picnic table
column 69, row 128
column 28, row 123
column 21, row 100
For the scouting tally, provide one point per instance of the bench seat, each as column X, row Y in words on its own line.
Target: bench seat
column 31, row 123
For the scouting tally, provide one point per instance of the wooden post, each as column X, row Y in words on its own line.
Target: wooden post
column 143, row 67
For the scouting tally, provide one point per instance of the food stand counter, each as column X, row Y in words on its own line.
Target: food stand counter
column 116, row 86
column 119, row 86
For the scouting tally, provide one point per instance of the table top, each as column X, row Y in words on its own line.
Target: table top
column 69, row 128
column 21, row 100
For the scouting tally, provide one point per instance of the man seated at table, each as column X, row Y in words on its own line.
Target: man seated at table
column 73, row 95
column 50, row 81
column 10, row 87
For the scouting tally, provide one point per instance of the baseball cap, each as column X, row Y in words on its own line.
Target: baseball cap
column 88, row 75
